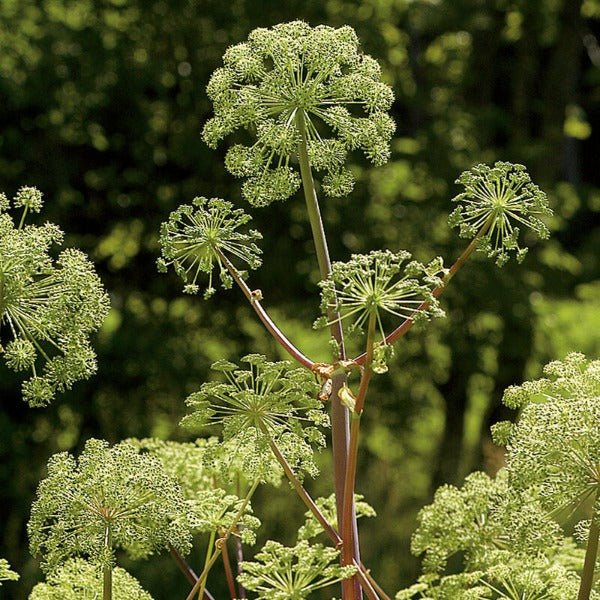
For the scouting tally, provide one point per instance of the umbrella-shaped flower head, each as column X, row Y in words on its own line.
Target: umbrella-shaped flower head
column 295, row 85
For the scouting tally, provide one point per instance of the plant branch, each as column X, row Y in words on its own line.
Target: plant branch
column 239, row 555
column 228, row 572
column 254, row 300
column 211, row 541
column 304, row 495
column 211, row 561
column 437, row 291
column 362, row 573
column 187, row 570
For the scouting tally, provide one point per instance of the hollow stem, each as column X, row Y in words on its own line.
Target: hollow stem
column 350, row 477
column 239, row 556
column 437, row 291
column 264, row 316
column 339, row 414
column 591, row 553
column 211, row 561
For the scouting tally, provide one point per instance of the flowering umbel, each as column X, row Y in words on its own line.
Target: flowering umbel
column 197, row 237
column 291, row 85
column 78, row 579
column 48, row 307
column 380, row 282
column 555, row 444
column 495, row 202
column 268, row 402
column 109, row 498
column 282, row 573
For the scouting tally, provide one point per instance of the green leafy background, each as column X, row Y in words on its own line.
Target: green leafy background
column 102, row 104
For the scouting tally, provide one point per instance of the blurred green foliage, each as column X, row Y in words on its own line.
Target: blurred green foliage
column 102, row 104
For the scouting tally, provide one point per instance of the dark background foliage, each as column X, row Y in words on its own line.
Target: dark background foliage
column 102, row 103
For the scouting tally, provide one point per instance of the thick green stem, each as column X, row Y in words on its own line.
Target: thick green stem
column 213, row 558
column 589, row 565
column 211, row 541
column 107, row 583
column 339, row 414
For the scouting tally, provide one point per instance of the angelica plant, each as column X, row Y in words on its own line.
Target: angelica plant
column 300, row 100
column 48, row 307
column 109, row 498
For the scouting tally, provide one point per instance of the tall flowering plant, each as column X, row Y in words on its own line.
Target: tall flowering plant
column 297, row 101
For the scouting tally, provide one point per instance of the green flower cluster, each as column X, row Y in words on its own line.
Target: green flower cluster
column 292, row 85
column 481, row 521
column 282, row 573
column 555, row 444
column 509, row 545
column 269, row 402
column 6, row 573
column 519, row 578
column 198, row 236
column 497, row 199
column 208, row 508
column 78, row 579
column 111, row 497
column 48, row 308
column 380, row 282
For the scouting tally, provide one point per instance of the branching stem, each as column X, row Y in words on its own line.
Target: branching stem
column 213, row 558
column 264, row 316
column 362, row 574
column 350, row 478
column 437, row 291
column 339, row 414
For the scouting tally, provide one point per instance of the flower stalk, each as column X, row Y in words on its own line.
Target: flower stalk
column 226, row 534
column 339, row 414
column 107, row 569
column 255, row 300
